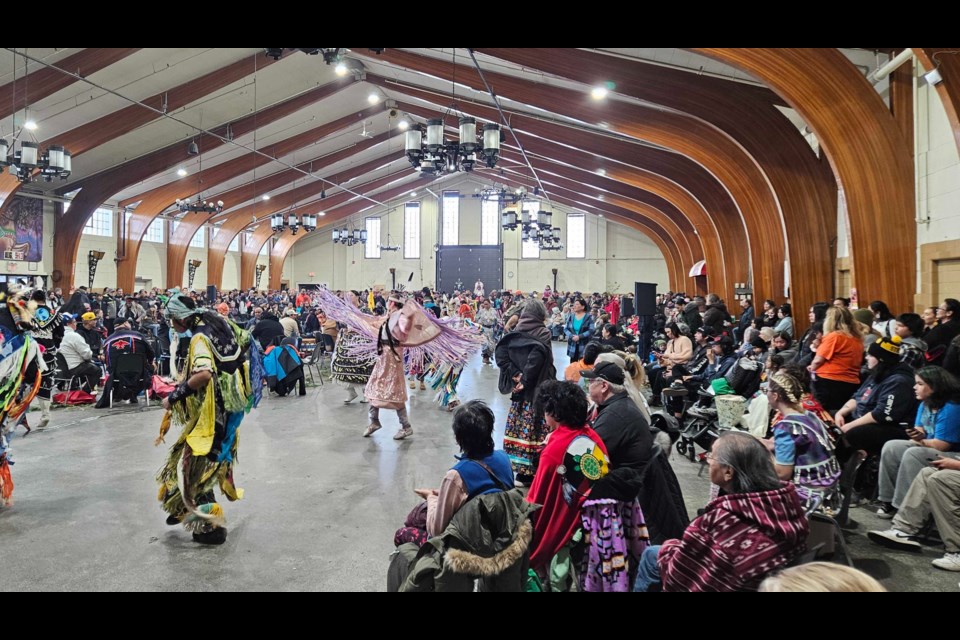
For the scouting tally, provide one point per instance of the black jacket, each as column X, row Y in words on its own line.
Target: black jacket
column 715, row 316
column 745, row 319
column 92, row 337
column 311, row 324
column 267, row 329
column 939, row 339
column 661, row 500
column 521, row 353
column 629, row 442
column 891, row 400
column 691, row 317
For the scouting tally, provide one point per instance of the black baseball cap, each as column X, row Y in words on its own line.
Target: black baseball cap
column 605, row 371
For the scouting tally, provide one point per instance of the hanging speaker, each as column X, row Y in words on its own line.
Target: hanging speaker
column 645, row 298
column 211, row 294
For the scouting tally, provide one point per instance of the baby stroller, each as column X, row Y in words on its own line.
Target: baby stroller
column 697, row 424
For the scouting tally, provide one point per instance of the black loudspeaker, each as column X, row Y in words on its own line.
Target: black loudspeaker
column 211, row 294
column 626, row 307
column 645, row 298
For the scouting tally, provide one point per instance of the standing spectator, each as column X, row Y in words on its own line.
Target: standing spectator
column 579, row 330
column 838, row 360
column 746, row 318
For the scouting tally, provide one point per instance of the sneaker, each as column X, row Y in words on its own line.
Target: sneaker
column 404, row 432
column 886, row 511
column 894, row 539
column 216, row 536
column 43, row 423
column 371, row 428
column 949, row 562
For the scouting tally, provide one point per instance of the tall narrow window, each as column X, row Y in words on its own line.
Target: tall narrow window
column 247, row 238
column 372, row 248
column 234, row 244
column 490, row 222
column 99, row 224
column 411, row 230
column 451, row 218
column 198, row 238
column 576, row 235
column 265, row 248
column 173, row 226
column 530, row 248
column 155, row 231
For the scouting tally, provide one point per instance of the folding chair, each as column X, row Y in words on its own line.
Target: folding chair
column 61, row 378
column 127, row 368
column 313, row 362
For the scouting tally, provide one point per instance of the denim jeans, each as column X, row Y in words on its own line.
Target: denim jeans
column 648, row 573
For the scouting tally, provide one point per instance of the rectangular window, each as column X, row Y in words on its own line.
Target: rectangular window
column 265, row 248
column 489, row 222
column 99, row 224
column 451, row 218
column 198, row 238
column 372, row 248
column 530, row 248
column 411, row 230
column 247, row 238
column 155, row 231
column 576, row 235
column 234, row 244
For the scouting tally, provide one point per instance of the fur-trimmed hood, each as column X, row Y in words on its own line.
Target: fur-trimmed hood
column 469, row 563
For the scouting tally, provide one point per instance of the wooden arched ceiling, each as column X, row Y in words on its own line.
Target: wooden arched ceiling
column 113, row 125
column 718, row 153
column 153, row 202
column 867, row 151
column 242, row 217
column 96, row 189
column 948, row 63
column 320, row 207
column 803, row 185
column 691, row 189
column 667, row 243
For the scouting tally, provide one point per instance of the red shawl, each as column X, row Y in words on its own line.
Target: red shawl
column 556, row 521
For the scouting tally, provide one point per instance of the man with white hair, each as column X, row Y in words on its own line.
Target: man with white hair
column 78, row 355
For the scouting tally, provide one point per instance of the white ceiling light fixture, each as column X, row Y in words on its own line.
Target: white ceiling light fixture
column 599, row 93
column 373, row 98
column 181, row 172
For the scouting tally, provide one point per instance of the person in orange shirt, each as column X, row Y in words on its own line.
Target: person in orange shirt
column 574, row 370
column 838, row 360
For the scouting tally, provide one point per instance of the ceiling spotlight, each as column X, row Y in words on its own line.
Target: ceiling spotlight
column 30, row 125
column 340, row 69
column 276, row 54
column 266, row 197
column 181, row 172
column 403, row 124
column 373, row 98
column 599, row 93
column 192, row 149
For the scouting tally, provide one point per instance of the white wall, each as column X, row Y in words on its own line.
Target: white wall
column 617, row 256
column 938, row 164
column 231, row 271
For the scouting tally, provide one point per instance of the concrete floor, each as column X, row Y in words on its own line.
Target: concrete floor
column 321, row 506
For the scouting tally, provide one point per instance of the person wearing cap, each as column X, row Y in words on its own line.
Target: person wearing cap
column 873, row 416
column 289, row 323
column 78, row 355
column 91, row 334
column 624, row 430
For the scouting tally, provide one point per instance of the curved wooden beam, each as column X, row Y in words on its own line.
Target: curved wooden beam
column 715, row 151
column 947, row 61
column 804, row 186
column 868, row 153
column 96, row 189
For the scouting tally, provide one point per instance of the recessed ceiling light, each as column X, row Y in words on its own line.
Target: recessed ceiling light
column 322, row 213
column 413, row 194
column 373, row 98
column 181, row 172
column 600, row 197
column 601, row 172
column 30, row 125
column 600, row 215
column 599, row 93
column 266, row 196
column 340, row 69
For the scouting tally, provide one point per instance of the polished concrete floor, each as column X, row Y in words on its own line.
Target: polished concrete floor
column 320, row 509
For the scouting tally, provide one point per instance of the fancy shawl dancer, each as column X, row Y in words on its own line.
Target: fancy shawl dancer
column 218, row 385
column 406, row 326
column 21, row 369
column 346, row 370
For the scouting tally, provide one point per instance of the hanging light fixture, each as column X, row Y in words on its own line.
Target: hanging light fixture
column 349, row 237
column 535, row 223
column 428, row 151
column 307, row 221
column 23, row 158
column 199, row 205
